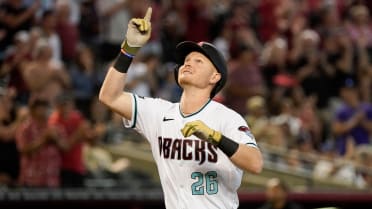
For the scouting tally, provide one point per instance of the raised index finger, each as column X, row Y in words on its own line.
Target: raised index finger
column 148, row 14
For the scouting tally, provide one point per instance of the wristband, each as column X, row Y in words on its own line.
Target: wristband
column 122, row 61
column 228, row 146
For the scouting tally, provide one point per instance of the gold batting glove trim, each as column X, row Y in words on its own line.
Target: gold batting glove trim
column 142, row 25
column 202, row 131
column 130, row 50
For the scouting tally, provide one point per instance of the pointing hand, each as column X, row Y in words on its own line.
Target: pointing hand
column 138, row 33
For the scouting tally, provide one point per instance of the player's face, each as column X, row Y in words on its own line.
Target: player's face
column 199, row 71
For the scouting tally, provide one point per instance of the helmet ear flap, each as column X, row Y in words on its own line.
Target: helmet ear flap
column 176, row 69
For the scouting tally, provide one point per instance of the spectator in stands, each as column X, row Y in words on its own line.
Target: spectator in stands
column 98, row 161
column 40, row 147
column 352, row 124
column 310, row 137
column 257, row 117
column 89, row 26
column 15, row 16
column 173, row 29
column 18, row 56
column 268, row 28
column 337, row 59
column 67, row 31
column 325, row 165
column 364, row 170
column 77, row 131
column 295, row 161
column 240, row 86
column 112, row 13
column 10, row 119
column 274, row 59
column 354, row 170
column 168, row 89
column 360, row 31
column 358, row 26
column 288, row 121
column 276, row 73
column 83, row 79
column 199, row 20
column 269, row 135
column 277, row 196
column 114, row 133
column 305, row 60
column 153, row 63
column 329, row 15
column 44, row 77
column 238, row 28
column 223, row 41
column 141, row 77
column 50, row 35
column 99, row 113
column 364, row 69
column 101, row 163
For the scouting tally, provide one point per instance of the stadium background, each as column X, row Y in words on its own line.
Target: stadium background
column 289, row 61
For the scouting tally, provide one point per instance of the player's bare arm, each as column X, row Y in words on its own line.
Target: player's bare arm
column 111, row 93
column 248, row 158
column 245, row 157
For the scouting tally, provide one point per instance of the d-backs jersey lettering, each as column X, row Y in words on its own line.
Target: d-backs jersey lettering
column 194, row 173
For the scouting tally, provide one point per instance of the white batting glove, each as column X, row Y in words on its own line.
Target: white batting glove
column 138, row 33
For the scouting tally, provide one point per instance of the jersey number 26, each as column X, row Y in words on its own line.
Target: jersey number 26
column 204, row 183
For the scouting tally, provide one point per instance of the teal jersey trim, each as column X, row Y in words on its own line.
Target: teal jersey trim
column 251, row 143
column 186, row 116
column 135, row 112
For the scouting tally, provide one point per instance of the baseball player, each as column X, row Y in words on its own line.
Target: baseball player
column 200, row 146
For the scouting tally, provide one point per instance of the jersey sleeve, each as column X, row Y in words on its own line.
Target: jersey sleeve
column 146, row 115
column 238, row 130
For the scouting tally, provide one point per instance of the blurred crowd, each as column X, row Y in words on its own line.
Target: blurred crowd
column 300, row 72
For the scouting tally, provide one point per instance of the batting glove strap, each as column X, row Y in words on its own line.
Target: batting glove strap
column 132, row 51
column 228, row 146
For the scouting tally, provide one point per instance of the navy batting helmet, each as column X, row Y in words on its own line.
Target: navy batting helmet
column 210, row 51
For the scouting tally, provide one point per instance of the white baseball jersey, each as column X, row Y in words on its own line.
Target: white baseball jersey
column 194, row 173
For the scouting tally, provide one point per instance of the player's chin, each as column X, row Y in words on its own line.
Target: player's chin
column 185, row 80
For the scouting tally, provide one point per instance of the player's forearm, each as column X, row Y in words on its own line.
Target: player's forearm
column 114, row 82
column 112, row 94
column 112, row 86
column 248, row 158
column 245, row 157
